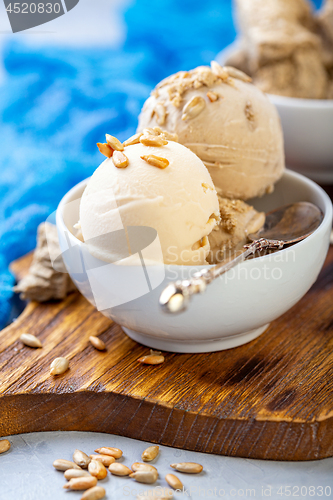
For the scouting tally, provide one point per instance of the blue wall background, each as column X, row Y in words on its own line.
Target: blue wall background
column 56, row 104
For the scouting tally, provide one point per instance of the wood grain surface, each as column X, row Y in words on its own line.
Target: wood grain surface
column 269, row 399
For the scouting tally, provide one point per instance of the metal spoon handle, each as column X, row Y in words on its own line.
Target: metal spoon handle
column 176, row 296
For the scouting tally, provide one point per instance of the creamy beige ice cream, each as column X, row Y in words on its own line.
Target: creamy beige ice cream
column 163, row 186
column 285, row 47
column 227, row 122
column 238, row 220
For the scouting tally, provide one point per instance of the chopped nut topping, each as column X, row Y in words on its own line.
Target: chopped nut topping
column 193, row 108
column 152, row 140
column 156, row 161
column 119, row 159
column 105, row 149
column 114, row 143
column 237, row 73
column 160, row 112
column 135, row 139
column 212, row 96
column 219, row 71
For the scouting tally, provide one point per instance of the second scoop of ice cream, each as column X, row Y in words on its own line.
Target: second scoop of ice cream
column 228, row 122
column 238, row 220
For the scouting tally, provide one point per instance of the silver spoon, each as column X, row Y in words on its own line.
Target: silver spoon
column 283, row 226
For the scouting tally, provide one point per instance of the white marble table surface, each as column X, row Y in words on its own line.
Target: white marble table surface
column 26, row 471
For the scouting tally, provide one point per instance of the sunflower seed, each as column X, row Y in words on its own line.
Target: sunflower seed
column 156, row 161
column 156, row 494
column 4, row 445
column 59, row 366
column 151, row 452
column 105, row 149
column 73, row 473
column 145, row 476
column 30, row 340
column 174, row 482
column 160, row 112
column 151, row 360
column 141, row 466
column 119, row 469
column 189, row 467
column 95, row 493
column 153, row 140
column 97, row 469
column 237, row 73
column 193, row 108
column 119, row 159
column 114, row 143
column 112, row 452
column 106, row 460
column 169, row 136
column 152, row 131
column 218, row 70
column 80, row 483
column 63, row 465
column 135, row 139
column 212, row 96
column 97, row 343
column 81, row 459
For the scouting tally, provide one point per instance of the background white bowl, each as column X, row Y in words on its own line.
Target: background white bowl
column 307, row 130
column 235, row 308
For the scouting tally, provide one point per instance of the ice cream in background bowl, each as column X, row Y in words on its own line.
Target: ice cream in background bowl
column 287, row 49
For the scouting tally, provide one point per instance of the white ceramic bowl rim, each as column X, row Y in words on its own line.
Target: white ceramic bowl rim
column 298, row 102
column 327, row 219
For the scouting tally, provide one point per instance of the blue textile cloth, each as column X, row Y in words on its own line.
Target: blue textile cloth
column 56, row 104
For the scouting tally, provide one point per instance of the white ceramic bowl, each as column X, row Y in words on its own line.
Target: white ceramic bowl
column 307, row 130
column 235, row 308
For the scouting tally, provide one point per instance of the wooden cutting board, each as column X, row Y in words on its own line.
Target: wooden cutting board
column 270, row 399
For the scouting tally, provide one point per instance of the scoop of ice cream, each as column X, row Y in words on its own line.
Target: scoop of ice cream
column 225, row 120
column 285, row 47
column 238, row 220
column 165, row 187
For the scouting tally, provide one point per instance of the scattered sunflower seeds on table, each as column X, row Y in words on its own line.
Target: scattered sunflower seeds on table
column 145, row 476
column 113, row 452
column 59, row 366
column 95, row 493
column 174, row 482
column 63, row 465
column 150, row 453
column 80, row 483
column 97, row 343
column 30, row 340
column 141, row 466
column 154, row 358
column 189, row 467
column 73, row 473
column 97, row 469
column 4, row 445
column 106, row 460
column 81, row 459
column 119, row 469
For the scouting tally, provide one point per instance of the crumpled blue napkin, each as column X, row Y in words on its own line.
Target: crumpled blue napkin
column 56, row 104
